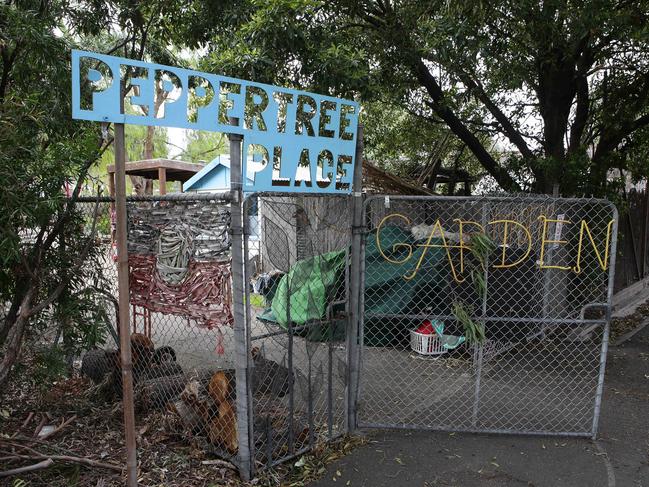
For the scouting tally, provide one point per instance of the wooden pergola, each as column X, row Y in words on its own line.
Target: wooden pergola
column 162, row 170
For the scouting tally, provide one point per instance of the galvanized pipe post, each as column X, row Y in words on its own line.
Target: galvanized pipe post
column 478, row 348
column 354, row 310
column 124, row 302
column 644, row 231
column 607, row 326
column 247, row 274
column 238, row 290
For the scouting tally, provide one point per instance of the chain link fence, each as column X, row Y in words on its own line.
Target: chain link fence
column 297, row 316
column 296, row 255
column 181, row 330
column 477, row 314
column 486, row 314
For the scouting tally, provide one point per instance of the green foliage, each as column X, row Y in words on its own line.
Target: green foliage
column 103, row 224
column 480, row 247
column 135, row 140
column 203, row 146
column 82, row 317
column 41, row 148
column 540, row 93
column 49, row 364
column 49, row 261
column 258, row 301
column 474, row 332
column 403, row 142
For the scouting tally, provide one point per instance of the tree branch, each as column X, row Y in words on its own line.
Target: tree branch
column 433, row 88
column 70, row 271
column 14, row 344
column 119, row 46
column 71, row 459
column 612, row 134
column 581, row 115
column 508, row 128
column 638, row 123
column 583, row 99
column 58, row 225
column 7, row 64
column 29, row 468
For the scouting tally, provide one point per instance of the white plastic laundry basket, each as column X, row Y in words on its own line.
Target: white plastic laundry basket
column 426, row 344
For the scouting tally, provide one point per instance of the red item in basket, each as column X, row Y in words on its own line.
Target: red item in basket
column 426, row 328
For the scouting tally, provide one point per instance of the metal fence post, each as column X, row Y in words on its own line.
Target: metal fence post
column 607, row 326
column 478, row 350
column 354, row 311
column 247, row 274
column 124, row 321
column 238, row 287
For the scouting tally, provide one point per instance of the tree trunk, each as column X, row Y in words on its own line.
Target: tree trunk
column 149, row 147
column 556, row 90
column 12, row 315
column 137, row 182
column 14, row 344
column 148, row 143
column 143, row 186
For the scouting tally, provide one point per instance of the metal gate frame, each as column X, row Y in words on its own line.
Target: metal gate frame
column 356, row 392
column 332, row 422
column 245, row 340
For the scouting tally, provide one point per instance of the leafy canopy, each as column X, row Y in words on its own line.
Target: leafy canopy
column 561, row 87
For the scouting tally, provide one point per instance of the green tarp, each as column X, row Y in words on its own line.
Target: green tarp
column 314, row 282
column 387, row 291
column 311, row 284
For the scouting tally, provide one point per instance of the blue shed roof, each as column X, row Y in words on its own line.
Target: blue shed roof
column 214, row 176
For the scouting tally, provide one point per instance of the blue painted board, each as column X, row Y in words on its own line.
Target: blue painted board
column 285, row 128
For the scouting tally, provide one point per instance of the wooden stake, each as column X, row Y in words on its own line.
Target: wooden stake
column 122, row 285
column 162, row 179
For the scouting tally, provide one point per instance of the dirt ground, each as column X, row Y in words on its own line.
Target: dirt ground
column 91, row 432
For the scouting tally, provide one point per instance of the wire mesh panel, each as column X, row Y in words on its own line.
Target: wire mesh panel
column 181, row 330
column 180, row 291
column 297, row 265
column 485, row 314
column 101, row 282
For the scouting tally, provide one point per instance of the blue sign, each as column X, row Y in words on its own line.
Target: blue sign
column 300, row 141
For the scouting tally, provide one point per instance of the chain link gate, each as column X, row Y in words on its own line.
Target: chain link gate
column 514, row 342
column 296, row 255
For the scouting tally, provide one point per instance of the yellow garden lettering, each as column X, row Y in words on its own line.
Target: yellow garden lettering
column 600, row 250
